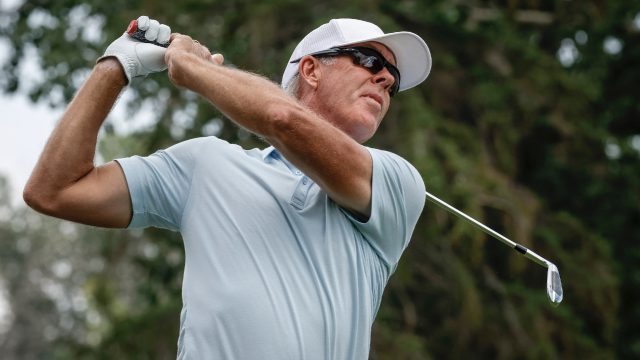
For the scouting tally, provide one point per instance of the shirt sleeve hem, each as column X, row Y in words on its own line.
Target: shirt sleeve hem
column 132, row 179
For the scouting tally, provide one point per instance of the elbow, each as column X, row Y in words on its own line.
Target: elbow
column 30, row 197
column 37, row 200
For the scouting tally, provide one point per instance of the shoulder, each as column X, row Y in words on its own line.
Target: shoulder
column 205, row 151
column 386, row 155
column 201, row 145
column 389, row 161
column 198, row 143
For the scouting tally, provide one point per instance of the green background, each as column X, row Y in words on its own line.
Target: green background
column 529, row 122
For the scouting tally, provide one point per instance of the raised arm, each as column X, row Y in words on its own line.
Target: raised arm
column 336, row 162
column 65, row 183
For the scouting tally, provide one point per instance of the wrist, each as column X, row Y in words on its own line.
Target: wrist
column 111, row 67
column 180, row 65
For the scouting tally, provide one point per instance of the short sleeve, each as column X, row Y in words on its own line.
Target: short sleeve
column 397, row 200
column 159, row 184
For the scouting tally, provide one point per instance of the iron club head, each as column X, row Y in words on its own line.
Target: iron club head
column 554, row 285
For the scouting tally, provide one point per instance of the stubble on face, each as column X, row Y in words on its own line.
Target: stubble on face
column 357, row 103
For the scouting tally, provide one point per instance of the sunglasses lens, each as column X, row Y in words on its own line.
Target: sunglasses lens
column 375, row 62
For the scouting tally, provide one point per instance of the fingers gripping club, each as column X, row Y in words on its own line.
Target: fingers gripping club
column 143, row 54
column 149, row 31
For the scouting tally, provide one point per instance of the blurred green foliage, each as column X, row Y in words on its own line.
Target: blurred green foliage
column 528, row 122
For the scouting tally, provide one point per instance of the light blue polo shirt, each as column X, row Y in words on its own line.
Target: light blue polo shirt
column 274, row 269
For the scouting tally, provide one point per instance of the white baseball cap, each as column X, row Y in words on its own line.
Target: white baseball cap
column 411, row 52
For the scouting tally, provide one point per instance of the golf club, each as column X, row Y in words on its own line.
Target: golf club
column 554, row 285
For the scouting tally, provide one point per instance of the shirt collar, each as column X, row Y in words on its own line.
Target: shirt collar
column 273, row 153
column 268, row 152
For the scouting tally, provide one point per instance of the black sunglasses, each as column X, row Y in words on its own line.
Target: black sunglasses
column 368, row 58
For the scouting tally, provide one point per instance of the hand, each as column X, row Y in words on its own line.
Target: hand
column 184, row 45
column 138, row 58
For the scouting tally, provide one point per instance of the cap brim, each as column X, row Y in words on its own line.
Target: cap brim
column 412, row 55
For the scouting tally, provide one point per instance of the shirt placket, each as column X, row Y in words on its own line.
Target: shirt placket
column 301, row 192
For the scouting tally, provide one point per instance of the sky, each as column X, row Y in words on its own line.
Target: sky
column 24, row 130
column 24, row 127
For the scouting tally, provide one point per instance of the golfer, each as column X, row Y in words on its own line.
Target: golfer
column 288, row 248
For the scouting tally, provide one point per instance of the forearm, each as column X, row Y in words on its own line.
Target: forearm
column 247, row 99
column 69, row 153
column 262, row 107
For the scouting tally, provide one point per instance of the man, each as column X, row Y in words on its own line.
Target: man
column 288, row 249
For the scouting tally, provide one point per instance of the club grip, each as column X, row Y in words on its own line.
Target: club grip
column 134, row 32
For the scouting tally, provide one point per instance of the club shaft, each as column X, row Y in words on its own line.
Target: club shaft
column 519, row 248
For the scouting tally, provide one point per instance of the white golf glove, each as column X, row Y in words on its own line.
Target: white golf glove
column 139, row 58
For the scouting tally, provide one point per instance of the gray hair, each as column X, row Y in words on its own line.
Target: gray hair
column 293, row 85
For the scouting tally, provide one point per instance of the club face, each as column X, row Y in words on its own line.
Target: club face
column 554, row 285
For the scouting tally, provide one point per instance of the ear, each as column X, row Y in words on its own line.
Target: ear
column 309, row 70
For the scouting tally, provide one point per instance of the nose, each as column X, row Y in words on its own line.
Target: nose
column 383, row 78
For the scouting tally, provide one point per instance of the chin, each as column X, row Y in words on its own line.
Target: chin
column 362, row 134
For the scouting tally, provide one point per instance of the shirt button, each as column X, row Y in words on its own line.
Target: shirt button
column 305, row 181
column 298, row 172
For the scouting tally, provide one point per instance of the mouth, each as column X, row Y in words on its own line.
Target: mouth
column 377, row 98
